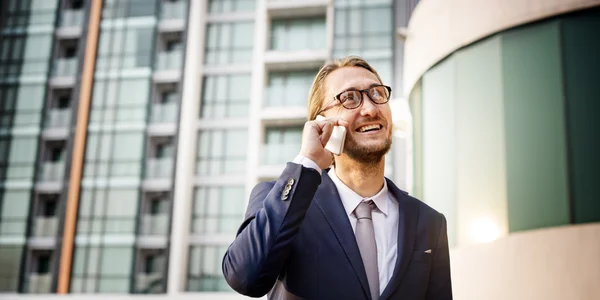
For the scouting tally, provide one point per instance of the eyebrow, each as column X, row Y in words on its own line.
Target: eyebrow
column 352, row 88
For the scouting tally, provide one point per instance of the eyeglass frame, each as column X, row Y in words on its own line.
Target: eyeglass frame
column 362, row 98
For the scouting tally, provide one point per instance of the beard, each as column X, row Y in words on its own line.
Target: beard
column 368, row 154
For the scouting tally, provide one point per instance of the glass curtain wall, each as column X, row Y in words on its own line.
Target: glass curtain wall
column 25, row 51
column 504, row 130
column 105, row 242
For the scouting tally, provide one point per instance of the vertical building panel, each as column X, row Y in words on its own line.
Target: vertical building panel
column 535, row 128
column 581, row 62
column 439, row 142
column 480, row 162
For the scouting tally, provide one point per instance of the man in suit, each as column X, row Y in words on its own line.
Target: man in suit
column 346, row 232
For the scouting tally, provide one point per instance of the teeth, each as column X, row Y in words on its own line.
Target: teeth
column 368, row 127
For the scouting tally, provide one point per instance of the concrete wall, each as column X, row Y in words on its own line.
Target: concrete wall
column 554, row 263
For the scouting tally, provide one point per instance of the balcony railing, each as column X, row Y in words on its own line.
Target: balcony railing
column 170, row 60
column 277, row 96
column 154, row 224
column 173, row 10
column 39, row 283
column 71, row 17
column 159, row 167
column 65, row 67
column 164, row 113
column 277, row 154
column 52, row 171
column 58, row 118
column 45, row 227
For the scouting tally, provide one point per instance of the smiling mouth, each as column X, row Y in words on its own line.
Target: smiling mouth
column 368, row 128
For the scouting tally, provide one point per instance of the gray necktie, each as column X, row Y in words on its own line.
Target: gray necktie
column 365, row 237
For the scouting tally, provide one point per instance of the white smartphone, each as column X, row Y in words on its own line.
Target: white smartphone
column 336, row 142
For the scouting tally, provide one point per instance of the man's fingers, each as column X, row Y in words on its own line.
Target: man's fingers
column 333, row 121
column 326, row 131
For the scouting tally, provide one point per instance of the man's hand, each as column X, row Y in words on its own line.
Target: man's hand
column 315, row 136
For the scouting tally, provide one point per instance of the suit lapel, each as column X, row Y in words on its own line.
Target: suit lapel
column 329, row 202
column 407, row 229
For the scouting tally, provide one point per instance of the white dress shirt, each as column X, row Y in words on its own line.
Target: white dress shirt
column 385, row 220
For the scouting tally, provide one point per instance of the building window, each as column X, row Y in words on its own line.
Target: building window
column 155, row 214
column 114, row 154
column 120, row 101
column 17, row 157
column 59, row 112
column 224, row 6
column 125, row 48
column 107, row 211
column 22, row 55
column 204, row 272
column 14, row 212
column 151, row 272
column 226, row 96
column 218, row 210
column 23, row 13
column 114, row 9
column 10, row 260
column 21, row 105
column 39, row 279
column 229, row 43
column 289, row 88
column 298, row 34
column 45, row 223
column 102, row 269
column 160, row 157
column 281, row 145
column 221, row 152
column 363, row 30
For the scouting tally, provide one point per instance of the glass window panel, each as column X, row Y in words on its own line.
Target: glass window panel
column 122, row 202
column 134, row 91
column 116, row 261
column 128, row 146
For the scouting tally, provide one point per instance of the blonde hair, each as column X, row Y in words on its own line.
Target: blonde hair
column 316, row 95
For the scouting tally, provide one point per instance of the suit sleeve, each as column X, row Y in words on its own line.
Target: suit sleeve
column 258, row 254
column 440, row 285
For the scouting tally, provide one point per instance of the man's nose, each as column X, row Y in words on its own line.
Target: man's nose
column 367, row 108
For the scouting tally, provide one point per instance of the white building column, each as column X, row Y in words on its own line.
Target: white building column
column 186, row 148
column 255, row 135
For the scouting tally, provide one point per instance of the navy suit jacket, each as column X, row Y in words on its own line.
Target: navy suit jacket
column 300, row 244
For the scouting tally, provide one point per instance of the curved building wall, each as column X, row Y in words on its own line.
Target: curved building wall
column 506, row 130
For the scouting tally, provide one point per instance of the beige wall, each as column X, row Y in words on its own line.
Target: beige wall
column 439, row 27
column 554, row 263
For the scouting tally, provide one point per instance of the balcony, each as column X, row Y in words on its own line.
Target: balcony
column 170, row 60
column 159, row 168
column 65, row 67
column 173, row 10
column 154, row 224
column 149, row 282
column 164, row 113
column 45, row 227
column 58, row 118
column 39, row 284
column 52, row 171
column 71, row 18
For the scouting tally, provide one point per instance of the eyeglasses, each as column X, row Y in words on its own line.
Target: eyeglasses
column 351, row 99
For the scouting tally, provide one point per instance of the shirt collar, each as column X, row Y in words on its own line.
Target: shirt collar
column 350, row 199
